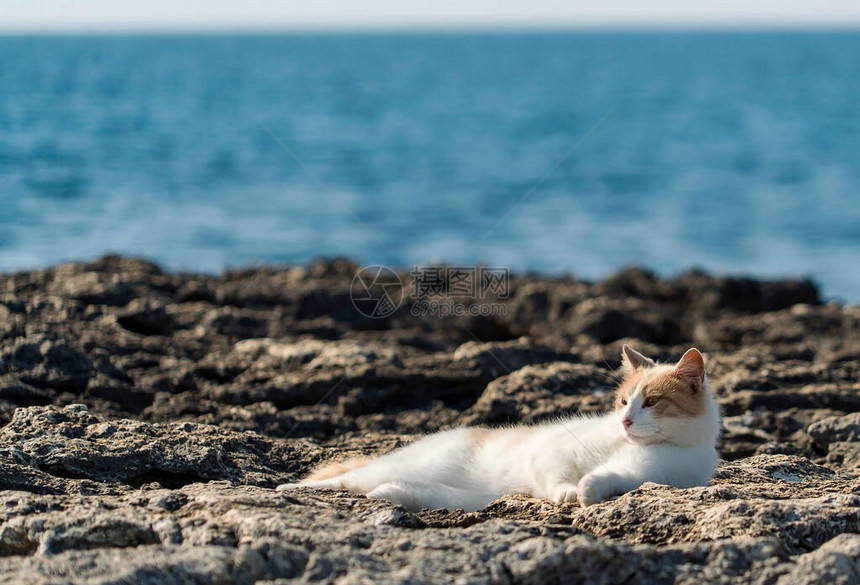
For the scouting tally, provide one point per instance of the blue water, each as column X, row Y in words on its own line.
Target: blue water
column 735, row 152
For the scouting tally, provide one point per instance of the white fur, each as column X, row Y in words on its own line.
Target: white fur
column 578, row 458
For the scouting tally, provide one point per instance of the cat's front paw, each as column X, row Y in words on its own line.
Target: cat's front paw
column 286, row 487
column 591, row 491
column 396, row 493
column 564, row 492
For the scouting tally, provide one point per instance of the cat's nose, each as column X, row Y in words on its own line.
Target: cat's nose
column 627, row 422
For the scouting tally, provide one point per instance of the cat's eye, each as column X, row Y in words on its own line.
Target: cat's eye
column 651, row 401
column 624, row 401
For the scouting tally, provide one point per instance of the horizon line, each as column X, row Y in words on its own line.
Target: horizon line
column 432, row 27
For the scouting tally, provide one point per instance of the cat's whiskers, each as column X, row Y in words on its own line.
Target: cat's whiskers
column 612, row 375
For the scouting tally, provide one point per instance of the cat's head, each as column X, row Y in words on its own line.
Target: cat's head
column 661, row 403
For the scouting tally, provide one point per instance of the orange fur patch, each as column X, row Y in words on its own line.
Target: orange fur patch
column 675, row 397
column 478, row 434
column 339, row 468
column 673, row 391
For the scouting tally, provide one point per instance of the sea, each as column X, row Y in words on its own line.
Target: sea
column 566, row 152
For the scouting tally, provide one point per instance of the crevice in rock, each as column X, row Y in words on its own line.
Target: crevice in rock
column 167, row 479
column 61, row 471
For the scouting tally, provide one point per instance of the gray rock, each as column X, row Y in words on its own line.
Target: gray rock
column 216, row 532
column 70, row 444
column 498, row 359
column 203, row 392
column 46, row 363
column 836, row 429
column 146, row 318
column 836, row 562
column 541, row 391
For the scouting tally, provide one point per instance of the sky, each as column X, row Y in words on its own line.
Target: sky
column 157, row 15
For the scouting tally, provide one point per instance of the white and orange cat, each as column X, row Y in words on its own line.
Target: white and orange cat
column 664, row 429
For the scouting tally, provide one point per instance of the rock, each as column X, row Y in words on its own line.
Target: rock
column 535, row 392
column 12, row 322
column 500, row 358
column 46, row 363
column 607, row 320
column 789, row 327
column 835, row 562
column 71, row 443
column 203, row 392
column 233, row 323
column 211, row 532
column 844, row 456
column 791, row 499
column 146, row 318
column 92, row 288
column 635, row 282
column 836, row 429
column 580, row 560
column 710, row 294
column 150, row 564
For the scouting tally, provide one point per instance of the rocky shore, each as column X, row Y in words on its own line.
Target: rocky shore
column 149, row 415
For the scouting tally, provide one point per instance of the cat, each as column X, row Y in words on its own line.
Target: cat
column 664, row 429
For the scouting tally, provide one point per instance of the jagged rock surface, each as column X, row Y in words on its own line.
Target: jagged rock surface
column 148, row 415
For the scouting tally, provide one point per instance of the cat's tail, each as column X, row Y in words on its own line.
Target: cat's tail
column 335, row 469
column 328, row 476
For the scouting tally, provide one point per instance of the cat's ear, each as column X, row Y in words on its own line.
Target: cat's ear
column 633, row 360
column 691, row 368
